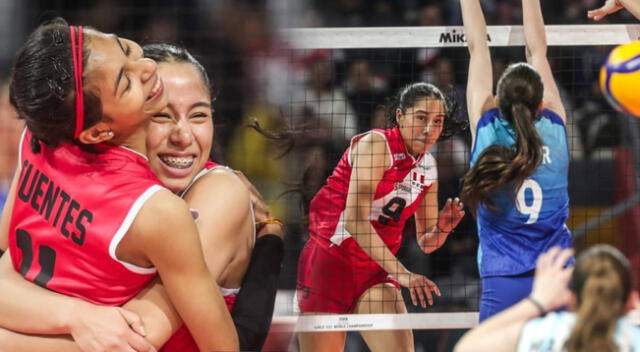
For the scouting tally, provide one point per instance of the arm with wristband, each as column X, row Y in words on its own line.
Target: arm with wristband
column 253, row 310
column 431, row 231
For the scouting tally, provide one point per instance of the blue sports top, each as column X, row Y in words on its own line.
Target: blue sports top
column 513, row 236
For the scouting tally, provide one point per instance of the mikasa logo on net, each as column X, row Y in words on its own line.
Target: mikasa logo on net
column 454, row 37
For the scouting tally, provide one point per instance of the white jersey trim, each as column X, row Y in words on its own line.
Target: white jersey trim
column 358, row 137
column 229, row 291
column 126, row 224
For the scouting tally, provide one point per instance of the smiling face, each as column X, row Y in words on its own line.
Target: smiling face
column 179, row 138
column 421, row 124
column 129, row 86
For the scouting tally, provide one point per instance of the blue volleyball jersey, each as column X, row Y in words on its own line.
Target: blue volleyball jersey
column 513, row 236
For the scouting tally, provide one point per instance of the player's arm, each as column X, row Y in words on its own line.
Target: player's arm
column 223, row 204
column 536, row 41
column 11, row 341
column 165, row 235
column 432, row 230
column 31, row 309
column 7, row 211
column 253, row 310
column 550, row 291
column 370, row 158
column 611, row 6
column 480, row 76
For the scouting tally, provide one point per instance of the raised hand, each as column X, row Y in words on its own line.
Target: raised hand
column 609, row 7
column 551, row 281
column 450, row 215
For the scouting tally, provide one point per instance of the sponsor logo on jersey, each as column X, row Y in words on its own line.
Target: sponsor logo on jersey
column 402, row 187
column 399, row 156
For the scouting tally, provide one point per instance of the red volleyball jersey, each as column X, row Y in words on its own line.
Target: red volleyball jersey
column 397, row 197
column 71, row 210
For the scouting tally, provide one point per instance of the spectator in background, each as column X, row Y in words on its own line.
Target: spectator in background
column 325, row 101
column 429, row 15
column 364, row 91
column 10, row 130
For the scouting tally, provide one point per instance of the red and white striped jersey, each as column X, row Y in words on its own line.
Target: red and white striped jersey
column 396, row 198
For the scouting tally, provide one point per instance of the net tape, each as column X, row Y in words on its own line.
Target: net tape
column 417, row 37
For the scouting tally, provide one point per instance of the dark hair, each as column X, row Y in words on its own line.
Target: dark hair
column 519, row 96
column 601, row 281
column 42, row 87
column 411, row 93
column 165, row 52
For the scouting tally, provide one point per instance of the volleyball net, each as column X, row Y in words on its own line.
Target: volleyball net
column 339, row 77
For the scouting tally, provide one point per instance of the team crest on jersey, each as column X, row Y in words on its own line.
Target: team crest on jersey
column 417, row 180
column 399, row 156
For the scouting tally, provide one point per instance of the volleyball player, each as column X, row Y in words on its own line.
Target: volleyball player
column 611, row 6
column 84, row 205
column 597, row 292
column 517, row 184
column 356, row 219
column 178, row 145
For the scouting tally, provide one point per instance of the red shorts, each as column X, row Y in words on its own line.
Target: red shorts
column 331, row 284
column 182, row 341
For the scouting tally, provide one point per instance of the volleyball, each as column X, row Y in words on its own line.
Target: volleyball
column 620, row 78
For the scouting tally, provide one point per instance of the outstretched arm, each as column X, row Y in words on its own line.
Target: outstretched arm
column 536, row 40
column 480, row 77
column 611, row 6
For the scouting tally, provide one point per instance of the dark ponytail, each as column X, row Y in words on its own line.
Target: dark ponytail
column 42, row 87
column 601, row 282
column 519, row 94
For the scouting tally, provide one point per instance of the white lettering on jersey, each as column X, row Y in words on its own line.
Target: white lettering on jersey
column 546, row 155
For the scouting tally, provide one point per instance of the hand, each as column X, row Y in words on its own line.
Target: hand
column 419, row 288
column 609, row 7
column 260, row 208
column 271, row 229
column 450, row 215
column 551, row 281
column 102, row 329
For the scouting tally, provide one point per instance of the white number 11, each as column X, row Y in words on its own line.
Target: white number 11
column 532, row 210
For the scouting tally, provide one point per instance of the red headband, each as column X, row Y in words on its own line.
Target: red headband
column 76, row 50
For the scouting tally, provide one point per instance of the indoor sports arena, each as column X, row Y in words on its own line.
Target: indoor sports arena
column 348, row 175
